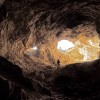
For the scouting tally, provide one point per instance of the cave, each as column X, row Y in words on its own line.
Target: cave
column 49, row 49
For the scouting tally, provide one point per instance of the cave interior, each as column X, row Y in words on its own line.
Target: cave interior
column 49, row 49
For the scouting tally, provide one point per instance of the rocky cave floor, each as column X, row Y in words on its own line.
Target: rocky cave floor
column 79, row 81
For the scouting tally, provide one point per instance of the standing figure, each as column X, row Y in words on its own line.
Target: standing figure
column 58, row 62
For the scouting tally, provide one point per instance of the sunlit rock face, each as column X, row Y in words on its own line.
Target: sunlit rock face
column 86, row 46
column 27, row 24
column 77, row 45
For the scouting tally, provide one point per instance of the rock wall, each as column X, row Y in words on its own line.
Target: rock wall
column 32, row 22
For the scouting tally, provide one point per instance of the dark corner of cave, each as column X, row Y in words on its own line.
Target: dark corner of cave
column 49, row 49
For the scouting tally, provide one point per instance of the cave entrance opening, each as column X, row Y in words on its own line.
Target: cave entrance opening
column 64, row 45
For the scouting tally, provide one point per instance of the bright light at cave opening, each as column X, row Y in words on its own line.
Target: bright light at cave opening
column 64, row 45
column 34, row 48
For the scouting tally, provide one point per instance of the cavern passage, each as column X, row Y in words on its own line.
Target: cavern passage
column 49, row 49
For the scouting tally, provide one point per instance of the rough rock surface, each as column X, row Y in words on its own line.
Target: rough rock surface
column 75, row 81
column 14, row 84
column 78, row 81
column 26, row 23
column 32, row 22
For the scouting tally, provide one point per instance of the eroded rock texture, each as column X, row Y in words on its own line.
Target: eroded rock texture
column 14, row 85
column 73, row 82
column 26, row 23
column 78, row 81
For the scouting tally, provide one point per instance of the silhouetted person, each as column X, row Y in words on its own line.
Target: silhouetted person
column 58, row 62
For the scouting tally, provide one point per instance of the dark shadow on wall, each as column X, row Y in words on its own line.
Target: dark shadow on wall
column 3, row 13
column 97, row 21
column 80, row 80
column 72, row 19
column 13, row 74
column 9, row 91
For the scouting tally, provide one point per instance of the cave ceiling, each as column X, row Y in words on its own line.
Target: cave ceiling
column 31, row 29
